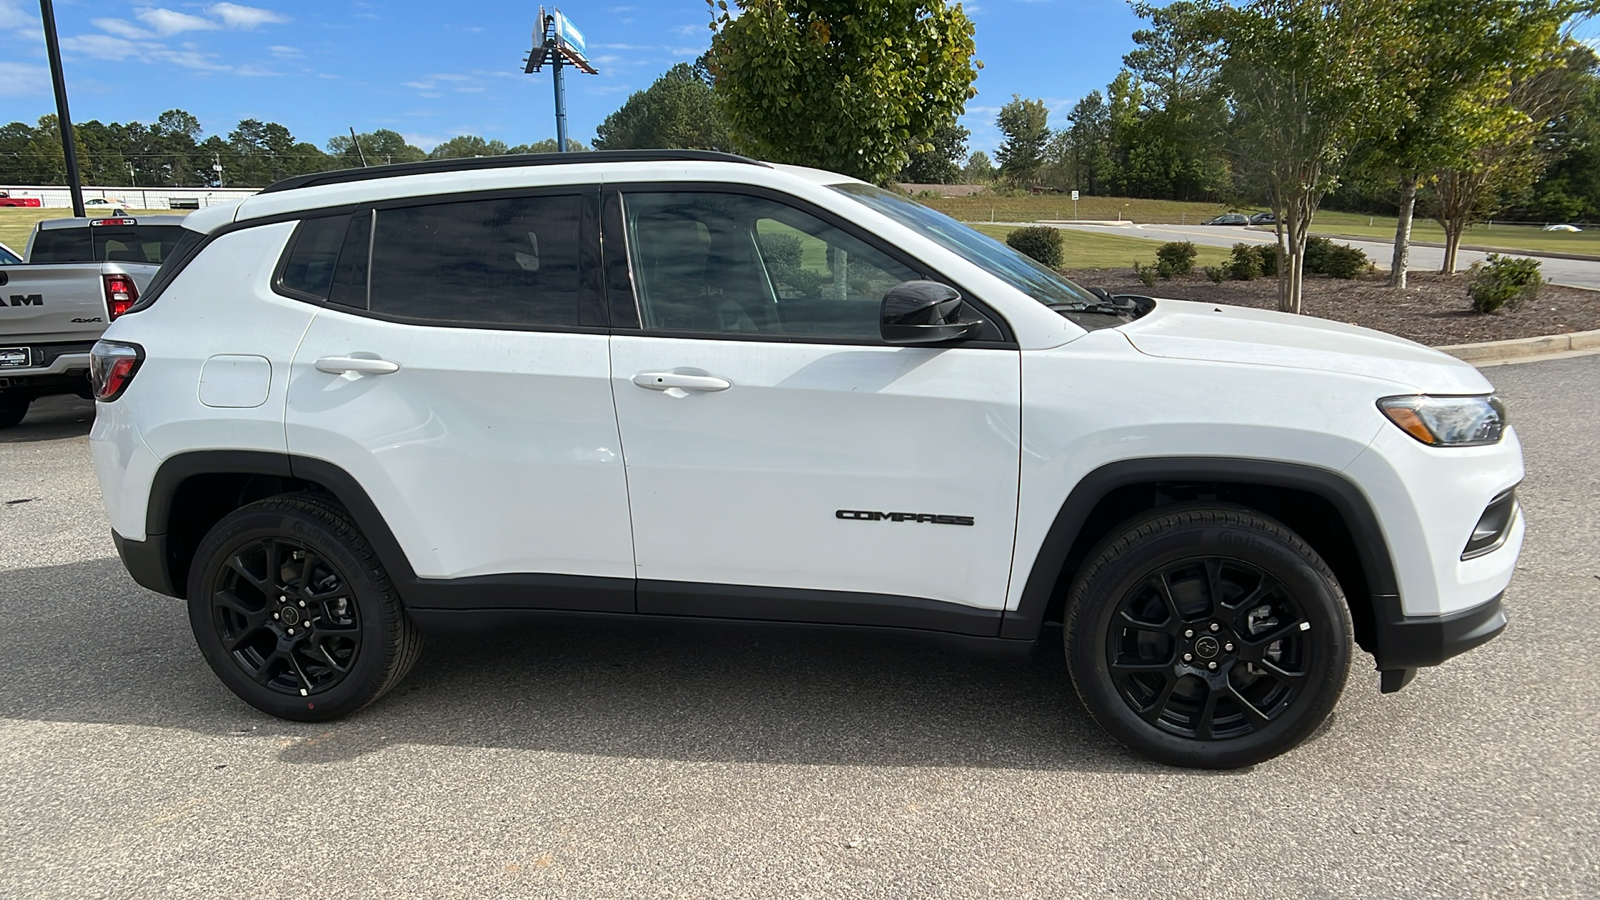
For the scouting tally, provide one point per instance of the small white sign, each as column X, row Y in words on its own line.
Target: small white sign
column 1074, row 195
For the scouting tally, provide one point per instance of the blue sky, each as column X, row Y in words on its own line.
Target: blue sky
column 433, row 70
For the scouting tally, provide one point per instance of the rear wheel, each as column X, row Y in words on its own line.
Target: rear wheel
column 12, row 409
column 1209, row 637
column 294, row 613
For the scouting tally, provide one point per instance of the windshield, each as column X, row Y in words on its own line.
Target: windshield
column 147, row 244
column 1021, row 272
column 7, row 258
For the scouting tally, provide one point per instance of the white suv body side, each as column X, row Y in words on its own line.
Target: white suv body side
column 502, row 453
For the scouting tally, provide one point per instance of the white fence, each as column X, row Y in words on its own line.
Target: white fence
column 57, row 197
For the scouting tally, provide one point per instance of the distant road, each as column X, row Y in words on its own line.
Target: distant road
column 1570, row 272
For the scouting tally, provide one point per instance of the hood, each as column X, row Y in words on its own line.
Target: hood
column 1233, row 334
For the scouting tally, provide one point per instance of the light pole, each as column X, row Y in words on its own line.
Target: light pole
column 69, row 147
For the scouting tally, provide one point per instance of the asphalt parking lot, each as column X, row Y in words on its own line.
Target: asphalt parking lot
column 580, row 760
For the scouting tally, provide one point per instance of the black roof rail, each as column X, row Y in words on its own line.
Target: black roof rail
column 467, row 164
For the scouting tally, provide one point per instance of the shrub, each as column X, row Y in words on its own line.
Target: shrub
column 1503, row 282
column 1269, row 259
column 1344, row 262
column 782, row 253
column 1217, row 274
column 1041, row 242
column 1245, row 263
column 1146, row 274
column 1317, row 250
column 1176, row 258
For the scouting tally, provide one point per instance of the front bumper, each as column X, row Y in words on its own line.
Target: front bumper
column 1407, row 643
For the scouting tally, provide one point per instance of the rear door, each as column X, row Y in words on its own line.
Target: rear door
column 458, row 371
column 783, row 461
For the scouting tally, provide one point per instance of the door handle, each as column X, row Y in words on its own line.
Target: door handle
column 364, row 365
column 666, row 381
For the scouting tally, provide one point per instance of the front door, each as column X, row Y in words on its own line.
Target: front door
column 785, row 463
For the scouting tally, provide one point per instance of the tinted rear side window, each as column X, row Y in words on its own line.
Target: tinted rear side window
column 350, row 278
column 308, row 270
column 62, row 245
column 487, row 262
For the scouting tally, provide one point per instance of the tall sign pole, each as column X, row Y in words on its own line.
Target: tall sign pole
column 559, row 45
column 561, row 104
column 69, row 147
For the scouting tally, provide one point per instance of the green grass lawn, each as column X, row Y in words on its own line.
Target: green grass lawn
column 1499, row 236
column 1082, row 250
column 1039, row 207
column 17, row 224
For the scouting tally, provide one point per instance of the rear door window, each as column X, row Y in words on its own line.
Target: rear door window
column 514, row 261
column 309, row 266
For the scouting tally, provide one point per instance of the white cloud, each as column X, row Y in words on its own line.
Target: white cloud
column 419, row 85
column 280, row 50
column 168, row 22
column 122, row 28
column 21, row 80
column 11, row 16
column 103, row 46
column 235, row 16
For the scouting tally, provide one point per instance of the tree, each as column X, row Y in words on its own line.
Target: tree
column 1026, row 125
column 1089, row 144
column 978, row 170
column 467, row 146
column 847, row 85
column 676, row 112
column 377, row 148
column 1453, row 69
column 1302, row 77
column 548, row 145
column 1510, row 153
column 941, row 162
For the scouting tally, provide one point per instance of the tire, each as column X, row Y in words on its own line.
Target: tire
column 12, row 410
column 1186, row 680
column 250, row 618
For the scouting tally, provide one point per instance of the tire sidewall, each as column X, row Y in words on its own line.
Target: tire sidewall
column 1315, row 592
column 368, row 673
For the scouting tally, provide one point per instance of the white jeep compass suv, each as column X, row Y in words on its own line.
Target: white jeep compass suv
column 692, row 385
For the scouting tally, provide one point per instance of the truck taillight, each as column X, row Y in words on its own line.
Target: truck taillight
column 112, row 366
column 121, row 293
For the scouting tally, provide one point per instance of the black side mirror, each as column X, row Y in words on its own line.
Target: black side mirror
column 923, row 312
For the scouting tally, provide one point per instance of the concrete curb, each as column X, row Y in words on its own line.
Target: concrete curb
column 1521, row 348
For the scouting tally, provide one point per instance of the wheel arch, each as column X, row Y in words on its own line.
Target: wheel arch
column 192, row 491
column 1328, row 510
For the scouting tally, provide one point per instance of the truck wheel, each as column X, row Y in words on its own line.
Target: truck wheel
column 1206, row 636
column 12, row 409
column 294, row 613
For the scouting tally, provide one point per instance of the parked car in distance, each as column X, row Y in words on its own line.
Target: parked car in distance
column 678, row 385
column 1264, row 218
column 6, row 200
column 1567, row 228
column 103, row 201
column 1229, row 219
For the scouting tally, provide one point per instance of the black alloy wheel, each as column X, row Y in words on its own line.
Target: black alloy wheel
column 1209, row 648
column 294, row 613
column 285, row 614
column 1207, row 636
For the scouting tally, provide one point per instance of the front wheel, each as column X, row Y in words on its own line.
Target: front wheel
column 294, row 613
column 1209, row 637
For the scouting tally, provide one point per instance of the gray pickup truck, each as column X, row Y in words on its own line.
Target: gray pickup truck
column 76, row 276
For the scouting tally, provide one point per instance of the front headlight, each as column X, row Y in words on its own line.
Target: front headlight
column 1471, row 421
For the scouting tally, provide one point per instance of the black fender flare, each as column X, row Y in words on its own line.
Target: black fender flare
column 1025, row 622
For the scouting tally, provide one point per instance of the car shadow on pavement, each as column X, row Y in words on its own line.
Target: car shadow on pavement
column 52, row 419
column 84, row 644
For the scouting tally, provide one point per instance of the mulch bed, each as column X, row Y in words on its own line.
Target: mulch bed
column 1433, row 309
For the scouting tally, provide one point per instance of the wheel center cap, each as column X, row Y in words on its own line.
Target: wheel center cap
column 291, row 616
column 1207, row 647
